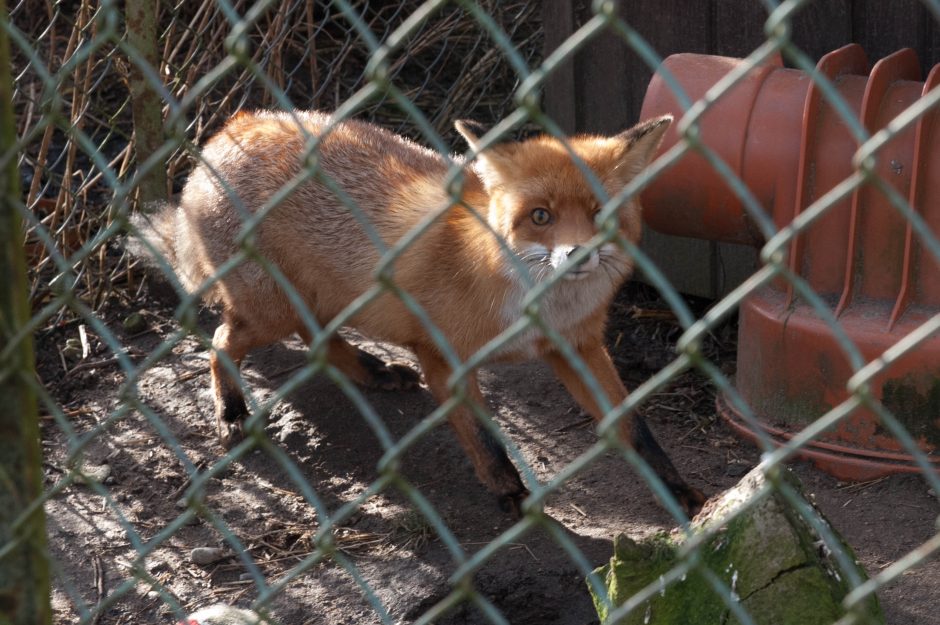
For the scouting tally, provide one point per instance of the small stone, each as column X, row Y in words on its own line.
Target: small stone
column 206, row 555
column 224, row 615
column 89, row 472
column 135, row 323
column 73, row 348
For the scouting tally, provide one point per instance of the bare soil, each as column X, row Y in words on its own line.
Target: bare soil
column 396, row 552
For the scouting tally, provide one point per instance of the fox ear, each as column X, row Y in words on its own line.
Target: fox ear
column 470, row 131
column 641, row 142
column 490, row 163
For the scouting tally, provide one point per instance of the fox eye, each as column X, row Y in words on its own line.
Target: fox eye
column 541, row 216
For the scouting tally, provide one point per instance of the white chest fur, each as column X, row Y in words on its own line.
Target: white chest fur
column 563, row 307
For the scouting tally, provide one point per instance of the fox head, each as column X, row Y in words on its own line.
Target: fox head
column 543, row 206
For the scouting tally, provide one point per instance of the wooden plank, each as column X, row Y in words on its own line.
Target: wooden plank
column 738, row 28
column 822, row 27
column 688, row 264
column 670, row 26
column 931, row 55
column 559, row 100
column 610, row 82
column 603, row 81
column 885, row 27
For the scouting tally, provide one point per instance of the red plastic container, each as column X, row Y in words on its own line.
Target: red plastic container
column 789, row 146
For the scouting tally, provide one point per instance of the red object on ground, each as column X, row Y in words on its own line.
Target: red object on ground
column 783, row 139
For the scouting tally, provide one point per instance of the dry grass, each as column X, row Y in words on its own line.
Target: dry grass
column 77, row 132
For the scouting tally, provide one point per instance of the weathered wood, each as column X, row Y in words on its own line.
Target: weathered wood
column 560, row 91
column 612, row 77
column 738, row 28
column 604, row 81
column 603, row 91
column 822, row 27
column 930, row 55
column 670, row 26
column 24, row 566
column 885, row 27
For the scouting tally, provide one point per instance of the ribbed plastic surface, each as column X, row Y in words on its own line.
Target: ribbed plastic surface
column 788, row 144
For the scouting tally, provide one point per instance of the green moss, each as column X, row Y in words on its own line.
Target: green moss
column 811, row 599
column 634, row 566
column 768, row 557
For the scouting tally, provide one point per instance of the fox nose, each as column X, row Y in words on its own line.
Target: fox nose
column 572, row 252
column 588, row 262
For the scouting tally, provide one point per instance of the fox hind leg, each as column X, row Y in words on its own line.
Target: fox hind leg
column 235, row 337
column 365, row 369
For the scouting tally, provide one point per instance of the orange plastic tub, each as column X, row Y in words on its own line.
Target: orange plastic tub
column 789, row 146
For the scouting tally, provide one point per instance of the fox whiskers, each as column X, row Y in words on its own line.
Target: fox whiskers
column 539, row 264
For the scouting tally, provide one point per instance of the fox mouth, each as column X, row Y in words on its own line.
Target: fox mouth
column 543, row 263
column 578, row 274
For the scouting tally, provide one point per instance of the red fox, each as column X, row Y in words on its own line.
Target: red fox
column 530, row 193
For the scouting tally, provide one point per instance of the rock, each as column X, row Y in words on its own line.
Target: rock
column 73, row 348
column 135, row 323
column 771, row 559
column 90, row 472
column 207, row 555
column 223, row 615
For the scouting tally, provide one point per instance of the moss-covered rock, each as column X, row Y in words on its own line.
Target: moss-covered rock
column 776, row 566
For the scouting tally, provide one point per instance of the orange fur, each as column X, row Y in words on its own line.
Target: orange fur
column 530, row 193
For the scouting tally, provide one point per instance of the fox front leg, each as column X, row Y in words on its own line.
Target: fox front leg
column 633, row 429
column 486, row 453
column 230, row 408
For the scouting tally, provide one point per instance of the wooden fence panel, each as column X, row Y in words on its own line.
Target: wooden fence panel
column 603, row 89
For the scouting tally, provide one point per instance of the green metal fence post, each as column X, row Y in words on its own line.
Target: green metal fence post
column 24, row 567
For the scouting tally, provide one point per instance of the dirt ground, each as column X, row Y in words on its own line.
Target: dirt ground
column 396, row 553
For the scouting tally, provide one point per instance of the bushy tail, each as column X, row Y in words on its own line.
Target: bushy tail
column 153, row 235
column 158, row 237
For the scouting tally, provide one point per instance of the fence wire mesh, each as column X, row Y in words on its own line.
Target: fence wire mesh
column 333, row 506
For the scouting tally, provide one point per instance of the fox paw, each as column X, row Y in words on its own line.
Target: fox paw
column 398, row 376
column 512, row 503
column 691, row 499
column 394, row 376
column 230, row 412
column 230, row 434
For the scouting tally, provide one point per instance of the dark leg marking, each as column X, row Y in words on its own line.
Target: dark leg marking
column 394, row 376
column 646, row 446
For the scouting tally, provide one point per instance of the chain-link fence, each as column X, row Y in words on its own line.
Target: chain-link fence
column 336, row 500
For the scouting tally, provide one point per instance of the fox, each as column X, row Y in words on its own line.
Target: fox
column 525, row 214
